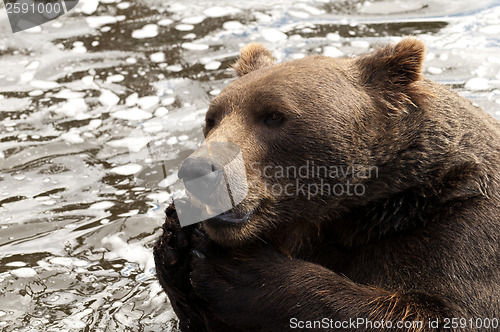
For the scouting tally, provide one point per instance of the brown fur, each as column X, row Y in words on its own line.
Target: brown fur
column 423, row 242
column 253, row 56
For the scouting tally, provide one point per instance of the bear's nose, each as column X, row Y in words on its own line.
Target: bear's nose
column 201, row 177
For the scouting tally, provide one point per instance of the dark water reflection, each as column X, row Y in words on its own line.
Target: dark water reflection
column 80, row 99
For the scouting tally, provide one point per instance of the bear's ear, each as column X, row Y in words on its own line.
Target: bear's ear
column 252, row 57
column 398, row 64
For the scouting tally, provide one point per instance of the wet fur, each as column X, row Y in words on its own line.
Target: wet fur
column 423, row 242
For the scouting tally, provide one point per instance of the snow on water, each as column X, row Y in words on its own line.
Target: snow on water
column 99, row 107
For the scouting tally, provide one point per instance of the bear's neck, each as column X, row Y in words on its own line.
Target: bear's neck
column 409, row 207
column 419, row 176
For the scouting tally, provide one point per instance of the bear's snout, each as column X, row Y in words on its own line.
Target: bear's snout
column 201, row 177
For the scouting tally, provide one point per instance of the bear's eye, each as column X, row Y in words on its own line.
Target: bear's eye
column 273, row 119
column 209, row 124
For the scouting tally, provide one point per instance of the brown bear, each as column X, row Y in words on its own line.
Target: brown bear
column 373, row 203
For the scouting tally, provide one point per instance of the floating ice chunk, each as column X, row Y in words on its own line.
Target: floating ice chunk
column 108, row 98
column 131, row 60
column 94, row 124
column 309, row 9
column 103, row 205
column 195, row 47
column 27, row 76
column 212, row 65
column 132, row 99
column 169, row 180
column 172, row 140
column 153, row 126
column 174, row 68
column 33, row 65
column 168, row 101
column 72, row 137
column 220, row 11
column 115, row 78
column 68, row 261
column 129, row 213
column 123, row 5
column 184, row 27
column 273, row 35
column 148, row 102
column 35, row 93
column 160, row 197
column 332, row 51
column 232, row 25
column 176, row 7
column 44, row 85
column 132, row 114
column 443, row 57
column 89, row 7
column 157, row 57
column 134, row 144
column 89, row 80
column 34, row 29
column 131, row 252
column 76, row 321
column 477, row 84
column 165, row 22
column 333, row 36
column 263, row 18
column 161, row 111
column 16, row 264
column 72, row 107
column 188, row 118
column 98, row 21
column 128, row 169
column 69, row 94
column 24, row 272
column 360, row 44
column 79, row 47
column 193, row 20
column 189, row 36
column 298, row 14
column 434, row 70
column 215, row 92
column 295, row 56
column 147, row 31
column 491, row 30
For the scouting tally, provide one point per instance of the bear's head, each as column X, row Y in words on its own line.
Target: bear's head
column 312, row 133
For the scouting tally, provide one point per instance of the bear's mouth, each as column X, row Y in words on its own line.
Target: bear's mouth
column 231, row 217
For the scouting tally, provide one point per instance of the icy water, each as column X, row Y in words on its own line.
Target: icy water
column 90, row 100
